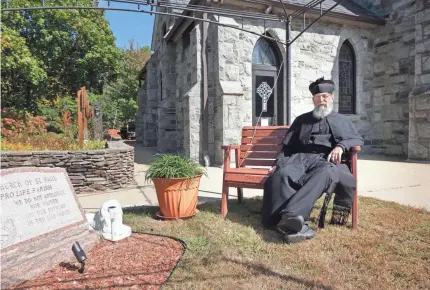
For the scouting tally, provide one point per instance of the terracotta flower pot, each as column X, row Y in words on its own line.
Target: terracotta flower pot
column 177, row 197
column 113, row 132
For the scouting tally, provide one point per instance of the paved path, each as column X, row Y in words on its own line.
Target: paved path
column 381, row 177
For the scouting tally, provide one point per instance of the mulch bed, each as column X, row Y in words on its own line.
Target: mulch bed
column 140, row 261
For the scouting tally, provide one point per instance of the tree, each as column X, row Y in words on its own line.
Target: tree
column 119, row 98
column 64, row 49
column 21, row 73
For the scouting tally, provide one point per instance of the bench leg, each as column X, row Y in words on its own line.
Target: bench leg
column 239, row 195
column 224, row 199
column 355, row 211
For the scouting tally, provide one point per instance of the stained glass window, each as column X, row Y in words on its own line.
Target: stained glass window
column 263, row 53
column 347, row 93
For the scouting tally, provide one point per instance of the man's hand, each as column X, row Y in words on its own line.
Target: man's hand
column 335, row 155
column 271, row 170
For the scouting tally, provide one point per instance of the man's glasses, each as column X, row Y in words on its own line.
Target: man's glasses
column 325, row 96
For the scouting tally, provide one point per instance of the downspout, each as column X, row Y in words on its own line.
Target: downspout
column 205, row 133
column 288, row 68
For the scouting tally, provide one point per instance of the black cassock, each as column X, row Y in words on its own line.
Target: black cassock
column 303, row 173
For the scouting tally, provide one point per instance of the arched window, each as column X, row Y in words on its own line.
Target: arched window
column 263, row 53
column 268, row 102
column 347, row 91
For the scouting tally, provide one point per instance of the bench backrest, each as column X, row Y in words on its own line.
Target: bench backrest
column 262, row 149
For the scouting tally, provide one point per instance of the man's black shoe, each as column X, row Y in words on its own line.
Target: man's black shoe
column 291, row 223
column 305, row 234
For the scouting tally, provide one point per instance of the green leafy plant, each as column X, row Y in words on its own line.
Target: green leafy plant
column 169, row 166
column 95, row 144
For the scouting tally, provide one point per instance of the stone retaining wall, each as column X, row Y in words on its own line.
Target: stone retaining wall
column 89, row 171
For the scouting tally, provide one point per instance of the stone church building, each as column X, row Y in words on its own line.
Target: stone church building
column 377, row 52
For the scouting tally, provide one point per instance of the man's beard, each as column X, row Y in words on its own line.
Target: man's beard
column 322, row 111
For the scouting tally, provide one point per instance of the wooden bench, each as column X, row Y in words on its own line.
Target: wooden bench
column 254, row 161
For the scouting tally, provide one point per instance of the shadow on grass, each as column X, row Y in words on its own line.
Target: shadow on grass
column 259, row 269
column 247, row 214
column 150, row 210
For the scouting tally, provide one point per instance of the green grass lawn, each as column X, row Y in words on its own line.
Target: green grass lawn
column 391, row 250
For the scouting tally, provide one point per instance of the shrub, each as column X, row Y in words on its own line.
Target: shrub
column 22, row 131
column 173, row 166
column 21, row 123
column 49, row 141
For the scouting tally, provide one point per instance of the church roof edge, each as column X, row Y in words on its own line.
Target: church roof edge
column 348, row 10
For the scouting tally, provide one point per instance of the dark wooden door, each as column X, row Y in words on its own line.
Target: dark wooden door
column 264, row 76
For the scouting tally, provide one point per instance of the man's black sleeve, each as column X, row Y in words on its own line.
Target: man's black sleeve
column 350, row 136
column 290, row 141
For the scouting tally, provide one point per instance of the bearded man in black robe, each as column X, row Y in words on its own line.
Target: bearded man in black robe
column 309, row 165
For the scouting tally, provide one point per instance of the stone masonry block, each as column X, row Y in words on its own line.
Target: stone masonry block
column 423, row 129
column 426, row 63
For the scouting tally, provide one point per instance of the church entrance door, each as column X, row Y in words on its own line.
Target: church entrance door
column 263, row 79
column 265, row 68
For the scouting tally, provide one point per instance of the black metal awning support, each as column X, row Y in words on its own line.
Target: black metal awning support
column 200, row 9
column 138, row 10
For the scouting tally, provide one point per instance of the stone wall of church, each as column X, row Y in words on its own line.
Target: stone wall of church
column 166, row 96
column 146, row 123
column 140, row 115
column 394, row 69
column 314, row 54
column 188, row 93
column 419, row 98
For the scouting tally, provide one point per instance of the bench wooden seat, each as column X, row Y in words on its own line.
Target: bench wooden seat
column 256, row 155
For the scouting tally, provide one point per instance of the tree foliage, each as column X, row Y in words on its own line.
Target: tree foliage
column 52, row 53
column 119, row 99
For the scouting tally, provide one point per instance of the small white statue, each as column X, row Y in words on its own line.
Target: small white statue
column 108, row 221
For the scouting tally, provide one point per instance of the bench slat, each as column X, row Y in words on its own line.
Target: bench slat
column 263, row 133
column 265, row 127
column 245, row 178
column 258, row 162
column 245, row 185
column 275, row 148
column 258, row 155
column 249, row 171
column 261, row 140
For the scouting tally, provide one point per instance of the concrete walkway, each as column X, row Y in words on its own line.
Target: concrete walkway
column 385, row 178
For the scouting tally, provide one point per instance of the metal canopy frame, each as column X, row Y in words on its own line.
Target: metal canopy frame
column 200, row 13
column 195, row 9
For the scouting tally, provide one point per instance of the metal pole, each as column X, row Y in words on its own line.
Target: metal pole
column 205, row 110
column 288, row 73
column 80, row 121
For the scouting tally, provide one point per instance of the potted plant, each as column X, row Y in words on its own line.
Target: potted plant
column 176, row 180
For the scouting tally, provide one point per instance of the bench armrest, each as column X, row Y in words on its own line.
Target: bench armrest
column 227, row 150
column 355, row 149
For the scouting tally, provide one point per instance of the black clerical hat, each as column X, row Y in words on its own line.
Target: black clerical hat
column 321, row 86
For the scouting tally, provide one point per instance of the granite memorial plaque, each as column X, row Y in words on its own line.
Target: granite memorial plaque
column 40, row 219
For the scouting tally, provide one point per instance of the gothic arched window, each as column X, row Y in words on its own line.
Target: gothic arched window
column 263, row 53
column 347, row 91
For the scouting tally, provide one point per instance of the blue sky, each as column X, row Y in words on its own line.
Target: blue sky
column 129, row 25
